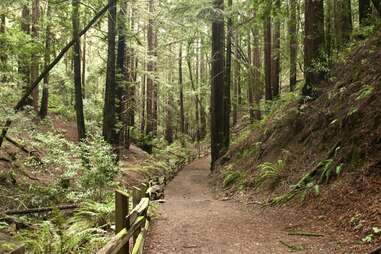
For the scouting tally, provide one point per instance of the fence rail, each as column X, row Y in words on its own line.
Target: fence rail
column 130, row 227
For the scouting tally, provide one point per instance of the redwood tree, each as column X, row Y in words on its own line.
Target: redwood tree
column 267, row 53
column 228, row 78
column 293, row 35
column 34, row 69
column 275, row 63
column 181, row 91
column 24, row 60
column 150, row 128
column 217, row 87
column 77, row 72
column 45, row 90
column 109, row 119
column 313, row 44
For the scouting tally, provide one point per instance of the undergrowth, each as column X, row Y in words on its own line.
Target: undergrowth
column 86, row 174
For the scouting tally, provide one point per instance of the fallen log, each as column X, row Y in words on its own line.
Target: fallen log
column 41, row 209
column 24, row 149
column 18, row 145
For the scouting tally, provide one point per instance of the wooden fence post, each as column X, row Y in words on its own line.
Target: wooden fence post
column 121, row 211
column 18, row 250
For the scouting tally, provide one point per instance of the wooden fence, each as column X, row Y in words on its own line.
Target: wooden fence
column 130, row 226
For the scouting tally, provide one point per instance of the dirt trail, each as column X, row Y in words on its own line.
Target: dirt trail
column 193, row 221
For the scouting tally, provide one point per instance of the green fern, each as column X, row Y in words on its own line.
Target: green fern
column 269, row 172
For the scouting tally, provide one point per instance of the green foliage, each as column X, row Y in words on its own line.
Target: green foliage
column 308, row 183
column 365, row 92
column 269, row 172
column 369, row 238
column 82, row 233
column 232, row 177
column 100, row 163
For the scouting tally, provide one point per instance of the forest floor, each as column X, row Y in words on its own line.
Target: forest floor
column 194, row 220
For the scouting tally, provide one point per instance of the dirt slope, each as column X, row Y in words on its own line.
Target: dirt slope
column 193, row 221
column 336, row 139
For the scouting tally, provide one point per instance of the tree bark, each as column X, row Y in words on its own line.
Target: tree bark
column 329, row 30
column 377, row 6
column 217, row 88
column 275, row 64
column 143, row 105
column 77, row 73
column 293, row 33
column 228, row 79
column 237, row 80
column 109, row 114
column 169, row 113
column 343, row 22
column 24, row 61
column 250, row 80
column 84, row 53
column 181, row 90
column 132, row 72
column 155, row 99
column 204, row 80
column 257, row 83
column 365, row 10
column 122, row 78
column 313, row 44
column 45, row 90
column 3, row 55
column 267, row 55
column 34, row 69
column 150, row 69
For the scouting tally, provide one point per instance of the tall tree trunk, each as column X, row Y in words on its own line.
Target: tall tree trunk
column 45, row 90
column 250, row 80
column 155, row 99
column 228, row 78
column 109, row 114
column 257, row 83
column 34, row 69
column 377, row 6
column 24, row 60
column 84, row 52
column 237, row 80
column 365, row 10
column 169, row 113
column 150, row 69
column 77, row 73
column 3, row 55
column 293, row 33
column 343, row 22
column 204, row 80
column 143, row 98
column 329, row 30
column 313, row 44
column 198, row 85
column 217, row 88
column 181, row 90
column 122, row 78
column 267, row 55
column 275, row 64
column 132, row 72
column 194, row 88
